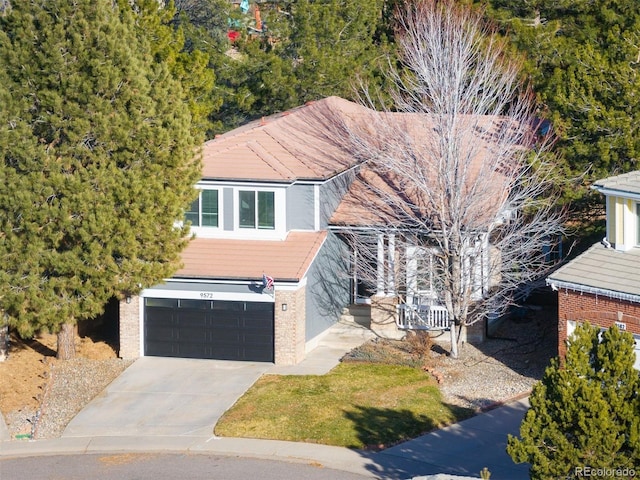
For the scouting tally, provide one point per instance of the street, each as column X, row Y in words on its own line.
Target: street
column 141, row 466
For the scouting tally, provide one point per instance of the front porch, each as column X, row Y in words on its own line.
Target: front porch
column 399, row 284
column 387, row 317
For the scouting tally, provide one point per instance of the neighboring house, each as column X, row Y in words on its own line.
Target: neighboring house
column 268, row 270
column 602, row 285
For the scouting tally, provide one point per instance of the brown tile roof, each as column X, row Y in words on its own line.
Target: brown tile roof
column 612, row 272
column 625, row 183
column 293, row 145
column 286, row 260
column 378, row 197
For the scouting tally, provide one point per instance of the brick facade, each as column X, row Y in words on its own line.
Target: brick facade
column 597, row 310
column 130, row 328
column 289, row 336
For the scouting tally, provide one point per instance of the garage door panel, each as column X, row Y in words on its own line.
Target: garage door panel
column 226, row 322
column 262, row 330
column 192, row 319
column 160, row 334
column 164, row 349
column 160, row 316
column 226, row 337
column 209, row 329
column 192, row 350
column 191, row 335
column 256, row 338
column 258, row 356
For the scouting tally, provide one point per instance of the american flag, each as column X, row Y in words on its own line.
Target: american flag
column 267, row 281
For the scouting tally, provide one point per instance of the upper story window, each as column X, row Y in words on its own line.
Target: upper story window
column 256, row 209
column 203, row 212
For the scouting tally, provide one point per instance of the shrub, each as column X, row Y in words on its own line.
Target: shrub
column 585, row 413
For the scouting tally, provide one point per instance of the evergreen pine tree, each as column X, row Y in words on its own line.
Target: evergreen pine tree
column 187, row 64
column 310, row 50
column 584, row 58
column 98, row 163
column 585, row 413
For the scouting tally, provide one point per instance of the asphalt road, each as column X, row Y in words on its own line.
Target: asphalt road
column 130, row 466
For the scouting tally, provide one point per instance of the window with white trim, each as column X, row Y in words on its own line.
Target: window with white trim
column 424, row 279
column 203, row 212
column 256, row 209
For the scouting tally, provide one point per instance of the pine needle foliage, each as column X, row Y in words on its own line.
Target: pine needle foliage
column 97, row 162
column 584, row 414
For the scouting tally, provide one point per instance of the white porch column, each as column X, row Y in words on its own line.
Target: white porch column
column 391, row 274
column 380, row 267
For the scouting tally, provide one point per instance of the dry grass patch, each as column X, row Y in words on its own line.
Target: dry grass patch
column 356, row 405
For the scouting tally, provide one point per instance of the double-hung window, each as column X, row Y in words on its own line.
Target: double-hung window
column 257, row 209
column 203, row 212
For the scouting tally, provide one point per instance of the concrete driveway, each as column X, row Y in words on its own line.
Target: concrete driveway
column 166, row 396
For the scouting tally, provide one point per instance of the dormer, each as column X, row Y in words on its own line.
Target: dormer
column 622, row 194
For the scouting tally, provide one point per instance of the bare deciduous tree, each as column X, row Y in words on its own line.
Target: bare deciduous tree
column 457, row 175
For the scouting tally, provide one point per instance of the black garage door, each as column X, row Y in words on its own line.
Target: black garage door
column 212, row 329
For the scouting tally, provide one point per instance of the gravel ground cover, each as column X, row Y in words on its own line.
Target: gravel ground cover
column 71, row 385
column 504, row 367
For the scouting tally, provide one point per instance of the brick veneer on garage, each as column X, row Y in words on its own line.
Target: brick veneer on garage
column 130, row 328
column 289, row 341
column 597, row 310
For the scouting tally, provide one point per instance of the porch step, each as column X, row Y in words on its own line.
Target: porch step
column 359, row 314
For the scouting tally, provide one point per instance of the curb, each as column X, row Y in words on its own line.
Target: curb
column 502, row 403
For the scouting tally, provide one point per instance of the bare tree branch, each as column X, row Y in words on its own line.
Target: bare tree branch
column 457, row 173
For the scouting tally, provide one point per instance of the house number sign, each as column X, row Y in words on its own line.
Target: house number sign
column 621, row 326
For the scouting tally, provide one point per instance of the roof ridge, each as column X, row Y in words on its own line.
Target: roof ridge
column 259, row 123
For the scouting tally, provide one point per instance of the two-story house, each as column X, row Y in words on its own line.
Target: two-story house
column 262, row 276
column 602, row 285
column 269, row 269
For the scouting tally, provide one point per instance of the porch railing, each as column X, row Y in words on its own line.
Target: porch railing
column 422, row 317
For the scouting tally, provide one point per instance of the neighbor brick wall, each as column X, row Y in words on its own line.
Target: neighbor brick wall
column 597, row 310
column 130, row 328
column 289, row 341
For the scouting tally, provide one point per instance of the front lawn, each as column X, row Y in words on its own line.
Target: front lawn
column 356, row 405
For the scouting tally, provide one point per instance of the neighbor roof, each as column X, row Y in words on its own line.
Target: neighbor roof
column 294, row 145
column 626, row 183
column 286, row 260
column 602, row 270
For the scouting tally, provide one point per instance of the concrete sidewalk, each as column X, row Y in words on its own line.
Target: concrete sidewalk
column 114, row 423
